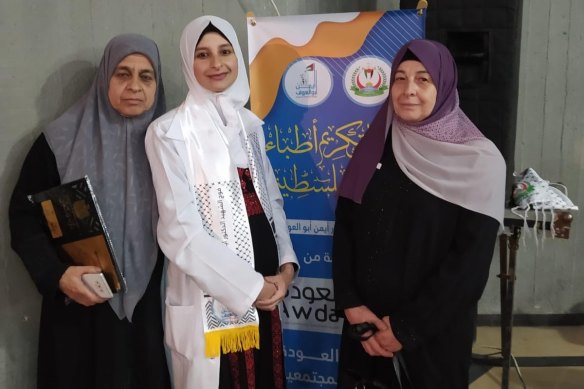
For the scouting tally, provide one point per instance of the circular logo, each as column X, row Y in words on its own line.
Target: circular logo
column 307, row 82
column 367, row 80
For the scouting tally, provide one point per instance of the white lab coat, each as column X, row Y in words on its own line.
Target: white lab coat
column 198, row 261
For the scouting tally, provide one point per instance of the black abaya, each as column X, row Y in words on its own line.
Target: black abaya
column 423, row 262
column 82, row 347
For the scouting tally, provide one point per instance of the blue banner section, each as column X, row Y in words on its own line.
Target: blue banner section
column 322, row 108
column 308, row 362
column 310, row 141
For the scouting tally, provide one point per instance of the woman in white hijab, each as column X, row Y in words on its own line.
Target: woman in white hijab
column 222, row 225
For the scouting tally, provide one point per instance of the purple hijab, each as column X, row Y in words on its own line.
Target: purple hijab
column 445, row 154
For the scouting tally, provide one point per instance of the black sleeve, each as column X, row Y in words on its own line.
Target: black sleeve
column 343, row 258
column 455, row 286
column 29, row 235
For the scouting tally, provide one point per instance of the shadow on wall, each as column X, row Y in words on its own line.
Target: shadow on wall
column 62, row 89
column 20, row 302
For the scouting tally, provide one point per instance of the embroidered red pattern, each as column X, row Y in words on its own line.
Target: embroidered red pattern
column 278, row 358
column 234, row 367
column 252, row 202
column 250, row 368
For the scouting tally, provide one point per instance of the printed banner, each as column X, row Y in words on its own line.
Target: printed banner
column 317, row 81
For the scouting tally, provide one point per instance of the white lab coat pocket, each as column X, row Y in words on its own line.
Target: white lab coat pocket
column 180, row 329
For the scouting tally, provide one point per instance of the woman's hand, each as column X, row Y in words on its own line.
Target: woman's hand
column 387, row 339
column 281, row 281
column 372, row 346
column 72, row 285
column 269, row 290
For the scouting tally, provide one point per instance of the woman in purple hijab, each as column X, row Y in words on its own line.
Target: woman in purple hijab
column 86, row 341
column 418, row 213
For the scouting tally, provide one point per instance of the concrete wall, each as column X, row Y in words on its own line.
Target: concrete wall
column 50, row 49
column 550, row 139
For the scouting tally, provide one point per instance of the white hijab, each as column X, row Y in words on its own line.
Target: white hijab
column 221, row 135
column 222, row 108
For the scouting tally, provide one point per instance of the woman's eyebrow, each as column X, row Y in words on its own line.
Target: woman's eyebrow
column 417, row 71
column 123, row 67
column 207, row 48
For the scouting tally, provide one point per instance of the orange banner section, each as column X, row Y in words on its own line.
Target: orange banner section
column 330, row 39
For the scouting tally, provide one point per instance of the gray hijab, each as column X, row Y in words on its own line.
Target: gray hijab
column 93, row 139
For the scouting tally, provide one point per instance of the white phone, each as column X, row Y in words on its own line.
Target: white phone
column 98, row 284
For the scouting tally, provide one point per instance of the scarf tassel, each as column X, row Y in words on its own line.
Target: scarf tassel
column 231, row 340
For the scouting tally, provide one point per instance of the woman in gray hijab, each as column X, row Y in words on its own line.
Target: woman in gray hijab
column 86, row 341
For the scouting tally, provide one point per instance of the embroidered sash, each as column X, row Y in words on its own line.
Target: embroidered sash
column 222, row 209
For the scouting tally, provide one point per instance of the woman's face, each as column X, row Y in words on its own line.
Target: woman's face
column 132, row 88
column 413, row 93
column 215, row 63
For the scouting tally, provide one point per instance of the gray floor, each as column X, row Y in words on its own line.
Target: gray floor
column 548, row 358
